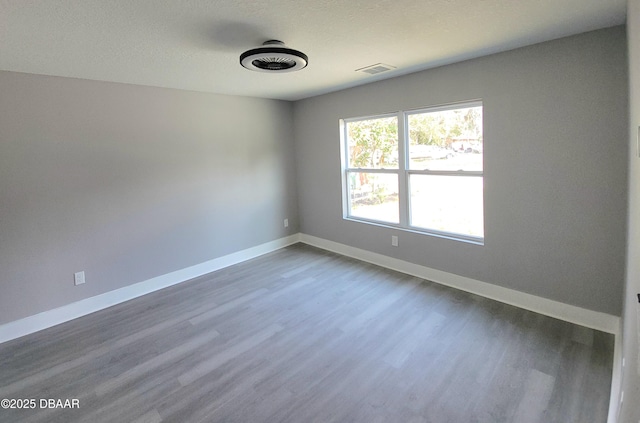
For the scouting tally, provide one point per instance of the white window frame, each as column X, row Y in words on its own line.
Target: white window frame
column 403, row 172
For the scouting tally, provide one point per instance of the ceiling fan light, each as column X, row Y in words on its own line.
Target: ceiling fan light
column 273, row 57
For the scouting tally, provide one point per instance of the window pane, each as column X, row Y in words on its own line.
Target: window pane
column 447, row 203
column 374, row 196
column 373, row 143
column 446, row 140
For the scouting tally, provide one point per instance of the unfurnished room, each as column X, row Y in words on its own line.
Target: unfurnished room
column 318, row 211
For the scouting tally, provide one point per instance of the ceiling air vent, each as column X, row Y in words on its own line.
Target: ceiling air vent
column 376, row 69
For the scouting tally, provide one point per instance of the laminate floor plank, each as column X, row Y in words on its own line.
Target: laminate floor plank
column 306, row 335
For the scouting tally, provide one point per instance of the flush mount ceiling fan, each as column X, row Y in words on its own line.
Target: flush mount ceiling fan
column 273, row 57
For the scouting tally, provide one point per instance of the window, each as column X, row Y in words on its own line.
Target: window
column 420, row 170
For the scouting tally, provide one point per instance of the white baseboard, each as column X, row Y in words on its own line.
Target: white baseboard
column 593, row 319
column 47, row 319
column 581, row 316
column 616, row 379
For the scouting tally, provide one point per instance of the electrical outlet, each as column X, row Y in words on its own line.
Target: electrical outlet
column 78, row 278
column 394, row 240
column 286, row 223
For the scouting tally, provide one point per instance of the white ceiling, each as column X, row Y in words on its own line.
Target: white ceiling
column 195, row 44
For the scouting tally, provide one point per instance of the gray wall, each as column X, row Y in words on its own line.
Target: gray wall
column 631, row 372
column 129, row 182
column 555, row 122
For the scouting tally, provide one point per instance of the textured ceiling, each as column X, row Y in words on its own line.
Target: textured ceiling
column 195, row 44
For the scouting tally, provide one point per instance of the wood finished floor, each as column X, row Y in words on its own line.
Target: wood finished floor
column 304, row 335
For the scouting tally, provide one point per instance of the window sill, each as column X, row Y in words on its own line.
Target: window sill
column 437, row 234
